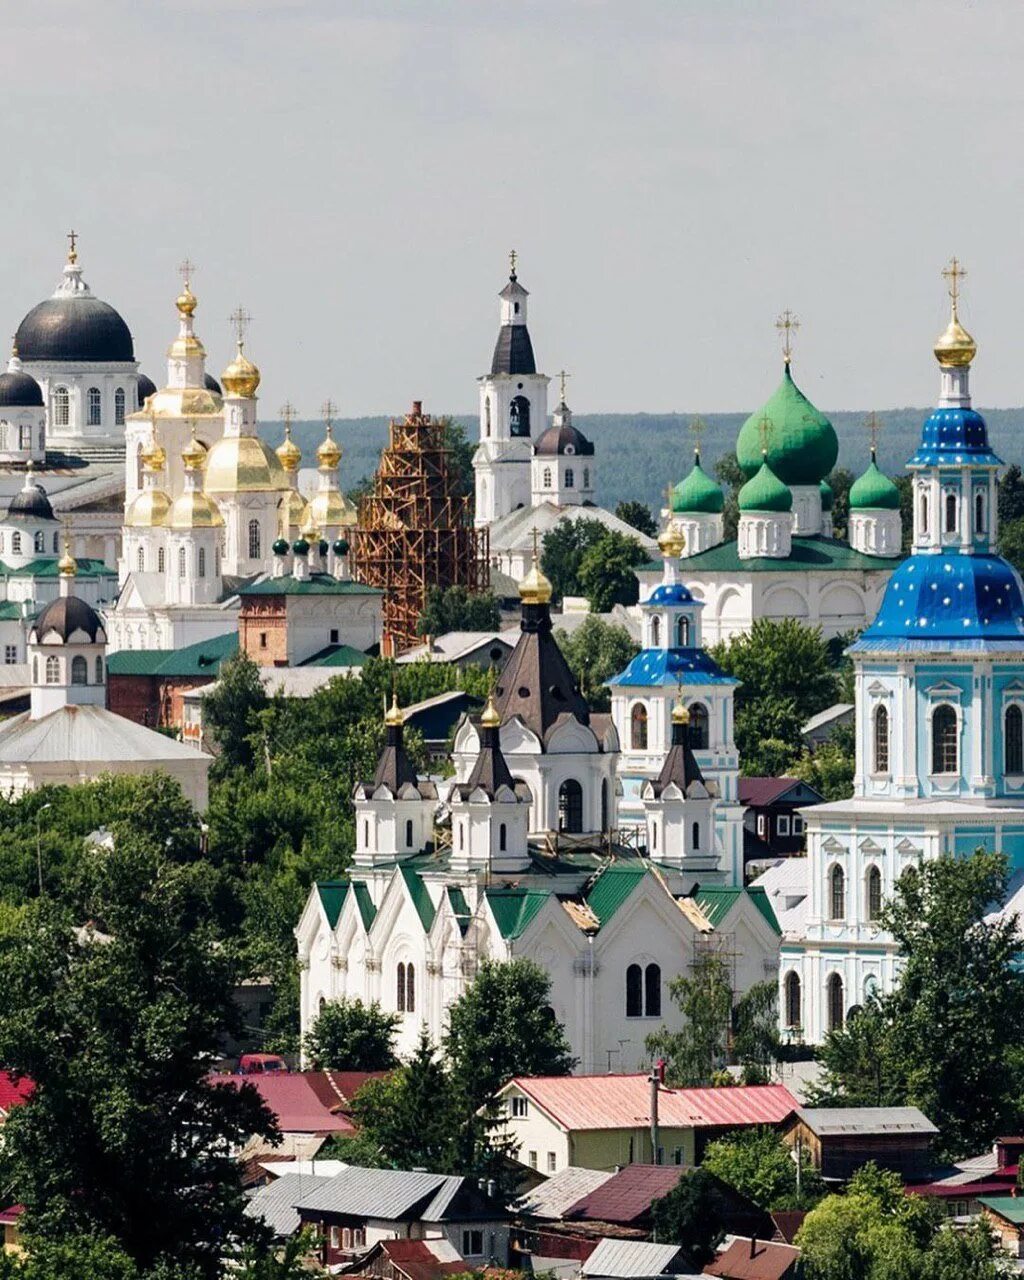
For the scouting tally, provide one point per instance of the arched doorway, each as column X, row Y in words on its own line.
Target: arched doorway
column 570, row 806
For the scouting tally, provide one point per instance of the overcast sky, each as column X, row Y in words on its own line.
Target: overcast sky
column 673, row 173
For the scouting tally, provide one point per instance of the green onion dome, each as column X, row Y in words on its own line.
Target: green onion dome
column 802, row 444
column 765, row 492
column 827, row 496
column 341, row 547
column 280, row 547
column 697, row 494
column 300, row 546
column 323, row 546
column 874, row 490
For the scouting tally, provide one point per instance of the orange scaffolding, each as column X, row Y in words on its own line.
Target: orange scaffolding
column 414, row 532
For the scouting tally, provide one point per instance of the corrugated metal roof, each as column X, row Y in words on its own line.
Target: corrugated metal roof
column 337, row 655
column 421, row 898
column 320, row 584
column 513, row 909
column 630, row 1259
column 332, row 898
column 612, row 887
column 762, row 792
column 717, row 903
column 203, row 658
column 381, row 1193
column 627, row 1195
column 561, row 1191
column 275, row 1203
column 837, row 1122
column 1009, row 1207
column 293, row 1101
column 747, row 1259
column 88, row 734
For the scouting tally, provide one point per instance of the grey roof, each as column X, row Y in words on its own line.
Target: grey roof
column 630, row 1259
column 88, row 733
column 835, row 712
column 383, row 1193
column 560, row 1192
column 275, row 1203
column 837, row 1122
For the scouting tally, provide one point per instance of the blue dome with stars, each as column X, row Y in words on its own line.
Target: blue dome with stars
column 672, row 594
column 954, row 436
column 950, row 598
column 672, row 667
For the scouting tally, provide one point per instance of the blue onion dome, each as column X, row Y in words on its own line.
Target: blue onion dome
column 323, row 546
column 300, row 546
column 670, row 594
column 950, row 597
column 697, row 494
column 211, row 384
column 802, row 443
column 828, row 498
column 874, row 490
column 765, row 492
column 340, row 547
column 280, row 547
column 146, row 388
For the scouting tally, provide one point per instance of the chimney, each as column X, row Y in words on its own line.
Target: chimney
column 753, row 1246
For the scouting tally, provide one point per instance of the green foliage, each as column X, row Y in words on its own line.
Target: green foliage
column 857, row 1062
column 700, row 1047
column 830, row 767
column 1010, row 495
column 690, row 1216
column 638, row 516
column 840, row 481
column 502, row 1026
column 351, row 1036
column 756, row 1032
column 456, row 609
column 230, row 710
column 905, row 485
column 606, row 574
column 759, row 1165
column 1011, row 542
column 731, row 478
column 460, row 458
column 562, row 553
column 596, row 651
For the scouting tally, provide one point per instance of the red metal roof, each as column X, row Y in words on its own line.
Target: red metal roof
column 336, row 1089
column 627, row 1195
column 297, row 1107
column 748, row 1259
column 762, row 792
column 417, row 1260
column 13, row 1093
column 10, row 1215
column 623, row 1102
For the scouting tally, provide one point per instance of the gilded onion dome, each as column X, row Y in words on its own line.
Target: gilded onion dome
column 194, row 509
column 671, row 541
column 288, row 452
column 194, row 453
column 394, row 717
column 241, row 377
column 329, row 453
column 149, row 510
column 535, row 588
column 243, row 464
column 954, row 347
column 153, row 454
column 294, row 509
column 67, row 565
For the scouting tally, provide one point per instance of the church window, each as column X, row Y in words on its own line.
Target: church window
column 95, row 406
column 923, row 508
column 655, row 632
column 792, row 999
column 487, row 416
column 519, row 417
column 502, row 838
column 979, row 513
column 254, row 539
column 182, row 562
column 16, row 543
column 61, row 406
column 10, row 654
column 99, row 669
column 638, row 727
column 696, row 835
column 604, row 804
column 700, row 734
column 652, row 991
column 39, row 541
column 547, row 477
column 53, row 669
column 79, row 670
column 35, row 670
column 119, row 407
column 139, row 469
column 56, row 543
column 366, row 835
column 1, row 543
column 951, row 513
column 654, row 837
column 837, row 894
column 683, row 633
column 202, row 562
column 634, row 992
column 834, row 1002
column 160, row 559
column 24, row 437
column 400, row 987
column 570, row 806
column 1013, row 732
column 570, row 478
column 873, row 893
column 142, row 559
column 586, row 477
column 408, row 833
column 880, row 743
column 944, row 740
column 462, row 837
column 410, row 988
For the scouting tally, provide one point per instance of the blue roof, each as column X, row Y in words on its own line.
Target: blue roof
column 949, row 598
column 675, row 594
column 672, row 666
column 954, row 436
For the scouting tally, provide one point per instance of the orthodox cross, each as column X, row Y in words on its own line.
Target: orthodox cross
column 764, row 431
column 697, row 428
column 562, row 375
column 954, row 273
column 535, row 534
column 513, row 258
column 328, row 409
column 787, row 324
column 185, row 270
column 874, row 426
column 288, row 414
column 239, row 320
column 73, row 251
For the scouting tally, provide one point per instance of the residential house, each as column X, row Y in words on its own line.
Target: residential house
column 9, row 1219
column 274, row 1202
column 960, row 1186
column 820, row 728
column 435, row 719
column 772, row 826
column 635, row 1260
column 1005, row 1215
column 464, row 649
column 753, row 1259
column 409, row 1260
column 841, row 1139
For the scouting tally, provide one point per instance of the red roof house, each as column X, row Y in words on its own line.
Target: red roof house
column 315, row 1102
column 13, row 1092
column 753, row 1259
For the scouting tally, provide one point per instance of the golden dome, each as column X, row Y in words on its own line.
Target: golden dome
column 954, row 347
column 149, row 510
column 243, row 464
column 330, row 508
column 184, row 346
column 241, row 377
column 671, row 540
column 490, row 718
column 329, row 453
column 288, row 452
column 67, row 565
column 154, row 456
column 194, row 453
column 186, row 302
column 181, row 402
column 394, row 714
column 194, row 509
column 680, row 715
column 294, row 509
column 535, row 588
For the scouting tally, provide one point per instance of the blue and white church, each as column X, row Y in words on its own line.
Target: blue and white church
column 939, row 720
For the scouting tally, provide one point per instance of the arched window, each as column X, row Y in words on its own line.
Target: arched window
column 53, row 669
column 119, row 407
column 410, row 988
column 792, row 994
column 56, row 542
column 502, row 838
column 95, row 406
column 654, row 837
column 79, row 670
column 944, row 740
column 139, row 469
column 25, row 437
column 61, row 407
column 570, row 806
column 951, row 513
column 638, row 727
column 979, row 513
column 519, row 417
column 547, row 477
column 604, row 804
column 682, row 633
column 254, row 540
column 923, row 509
column 408, row 833
column 400, row 987
column 1013, row 739
column 487, row 416
column 696, row 835
column 586, row 477
column 873, row 893
column 160, row 560
column 834, row 1002
column 16, row 543
column 570, row 478
column 652, row 991
column 634, row 992
column 655, row 632
column 202, row 562
column 182, row 562
column 99, row 668
column 142, row 559
column 699, row 727
column 837, row 894
column 39, row 541
column 880, row 744
column 35, row 670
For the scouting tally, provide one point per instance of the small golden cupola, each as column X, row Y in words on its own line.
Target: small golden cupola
column 288, row 452
column 150, row 507
column 241, row 377
column 954, row 347
column 192, row 508
column 535, row 588
column 671, row 540
column 329, row 452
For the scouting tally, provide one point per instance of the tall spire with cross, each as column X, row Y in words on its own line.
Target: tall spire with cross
column 787, row 325
column 955, row 349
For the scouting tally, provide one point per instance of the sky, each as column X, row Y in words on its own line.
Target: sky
column 672, row 173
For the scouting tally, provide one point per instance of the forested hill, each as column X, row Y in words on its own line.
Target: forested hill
column 639, row 454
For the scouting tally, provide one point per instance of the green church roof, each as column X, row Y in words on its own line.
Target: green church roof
column 765, row 492
column 802, row 443
column 874, row 490
column 697, row 493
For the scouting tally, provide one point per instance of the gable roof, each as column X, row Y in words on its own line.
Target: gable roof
column 415, row 1259
column 385, row 1193
column 716, row 903
column 553, row 1197
column 1009, row 1207
column 275, row 1202
column 14, row 1092
column 761, row 792
column 420, row 896
column 627, row 1195
column 752, row 1259
column 612, row 887
column 514, row 909
column 293, row 1101
column 840, row 1122
column 631, row 1259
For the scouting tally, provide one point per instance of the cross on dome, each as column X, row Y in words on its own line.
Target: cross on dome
column 765, row 427
column 697, row 428
column 874, row 426
column 562, row 375
column 513, row 258
column 327, row 411
column 787, row 324
column 239, row 320
column 953, row 274
column 72, row 238
column 288, row 413
column 186, row 269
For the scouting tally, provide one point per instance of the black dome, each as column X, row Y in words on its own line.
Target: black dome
column 66, row 615
column 147, row 387
column 74, row 328
column 211, row 383
column 31, row 502
column 20, row 390
column 564, row 440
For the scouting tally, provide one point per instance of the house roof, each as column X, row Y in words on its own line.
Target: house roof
column 416, row 1259
column 88, row 734
column 788, row 1222
column 275, row 1202
column 203, row 658
column 630, row 1259
column 840, row 1122
column 384, row 1193
column 551, row 1198
column 751, row 1259
column 623, row 1102
column 829, row 716
column 627, row 1195
column 454, row 645
column 294, row 1102
column 716, row 903
column 14, row 1092
column 1011, row 1208
column 761, row 792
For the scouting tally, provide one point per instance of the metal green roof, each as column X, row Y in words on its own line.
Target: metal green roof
column 716, row 904
column 513, row 909
column 332, row 897
column 364, row 902
column 698, row 493
column 1009, row 1207
column 47, row 568
column 612, row 887
column 320, row 584
column 204, row 658
column 814, row 554
column 10, row 611
column 765, row 492
column 874, row 491
column 421, row 899
column 337, row 655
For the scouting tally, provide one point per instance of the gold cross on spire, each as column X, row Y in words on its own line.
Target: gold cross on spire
column 874, row 426
column 787, row 324
column 562, row 375
column 327, row 410
column 185, row 270
column 535, row 534
column 288, row 414
column 73, row 241
column 513, row 258
column 239, row 320
column 954, row 273
column 697, row 428
column 764, row 430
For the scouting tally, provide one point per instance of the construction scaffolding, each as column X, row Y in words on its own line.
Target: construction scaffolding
column 414, row 532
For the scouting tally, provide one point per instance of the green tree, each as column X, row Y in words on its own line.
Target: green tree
column 756, row 1036
column 502, row 1026
column 759, row 1165
column 690, row 1216
column 830, row 767
column 596, row 651
column 562, row 553
column 230, row 711
column 1010, row 495
column 858, row 1069
column 1011, row 542
column 730, row 476
column 700, row 1047
column 456, row 609
column 606, row 573
column 840, row 481
column 638, row 516
column 905, row 485
column 460, row 458
column 118, row 1032
column 351, row 1036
